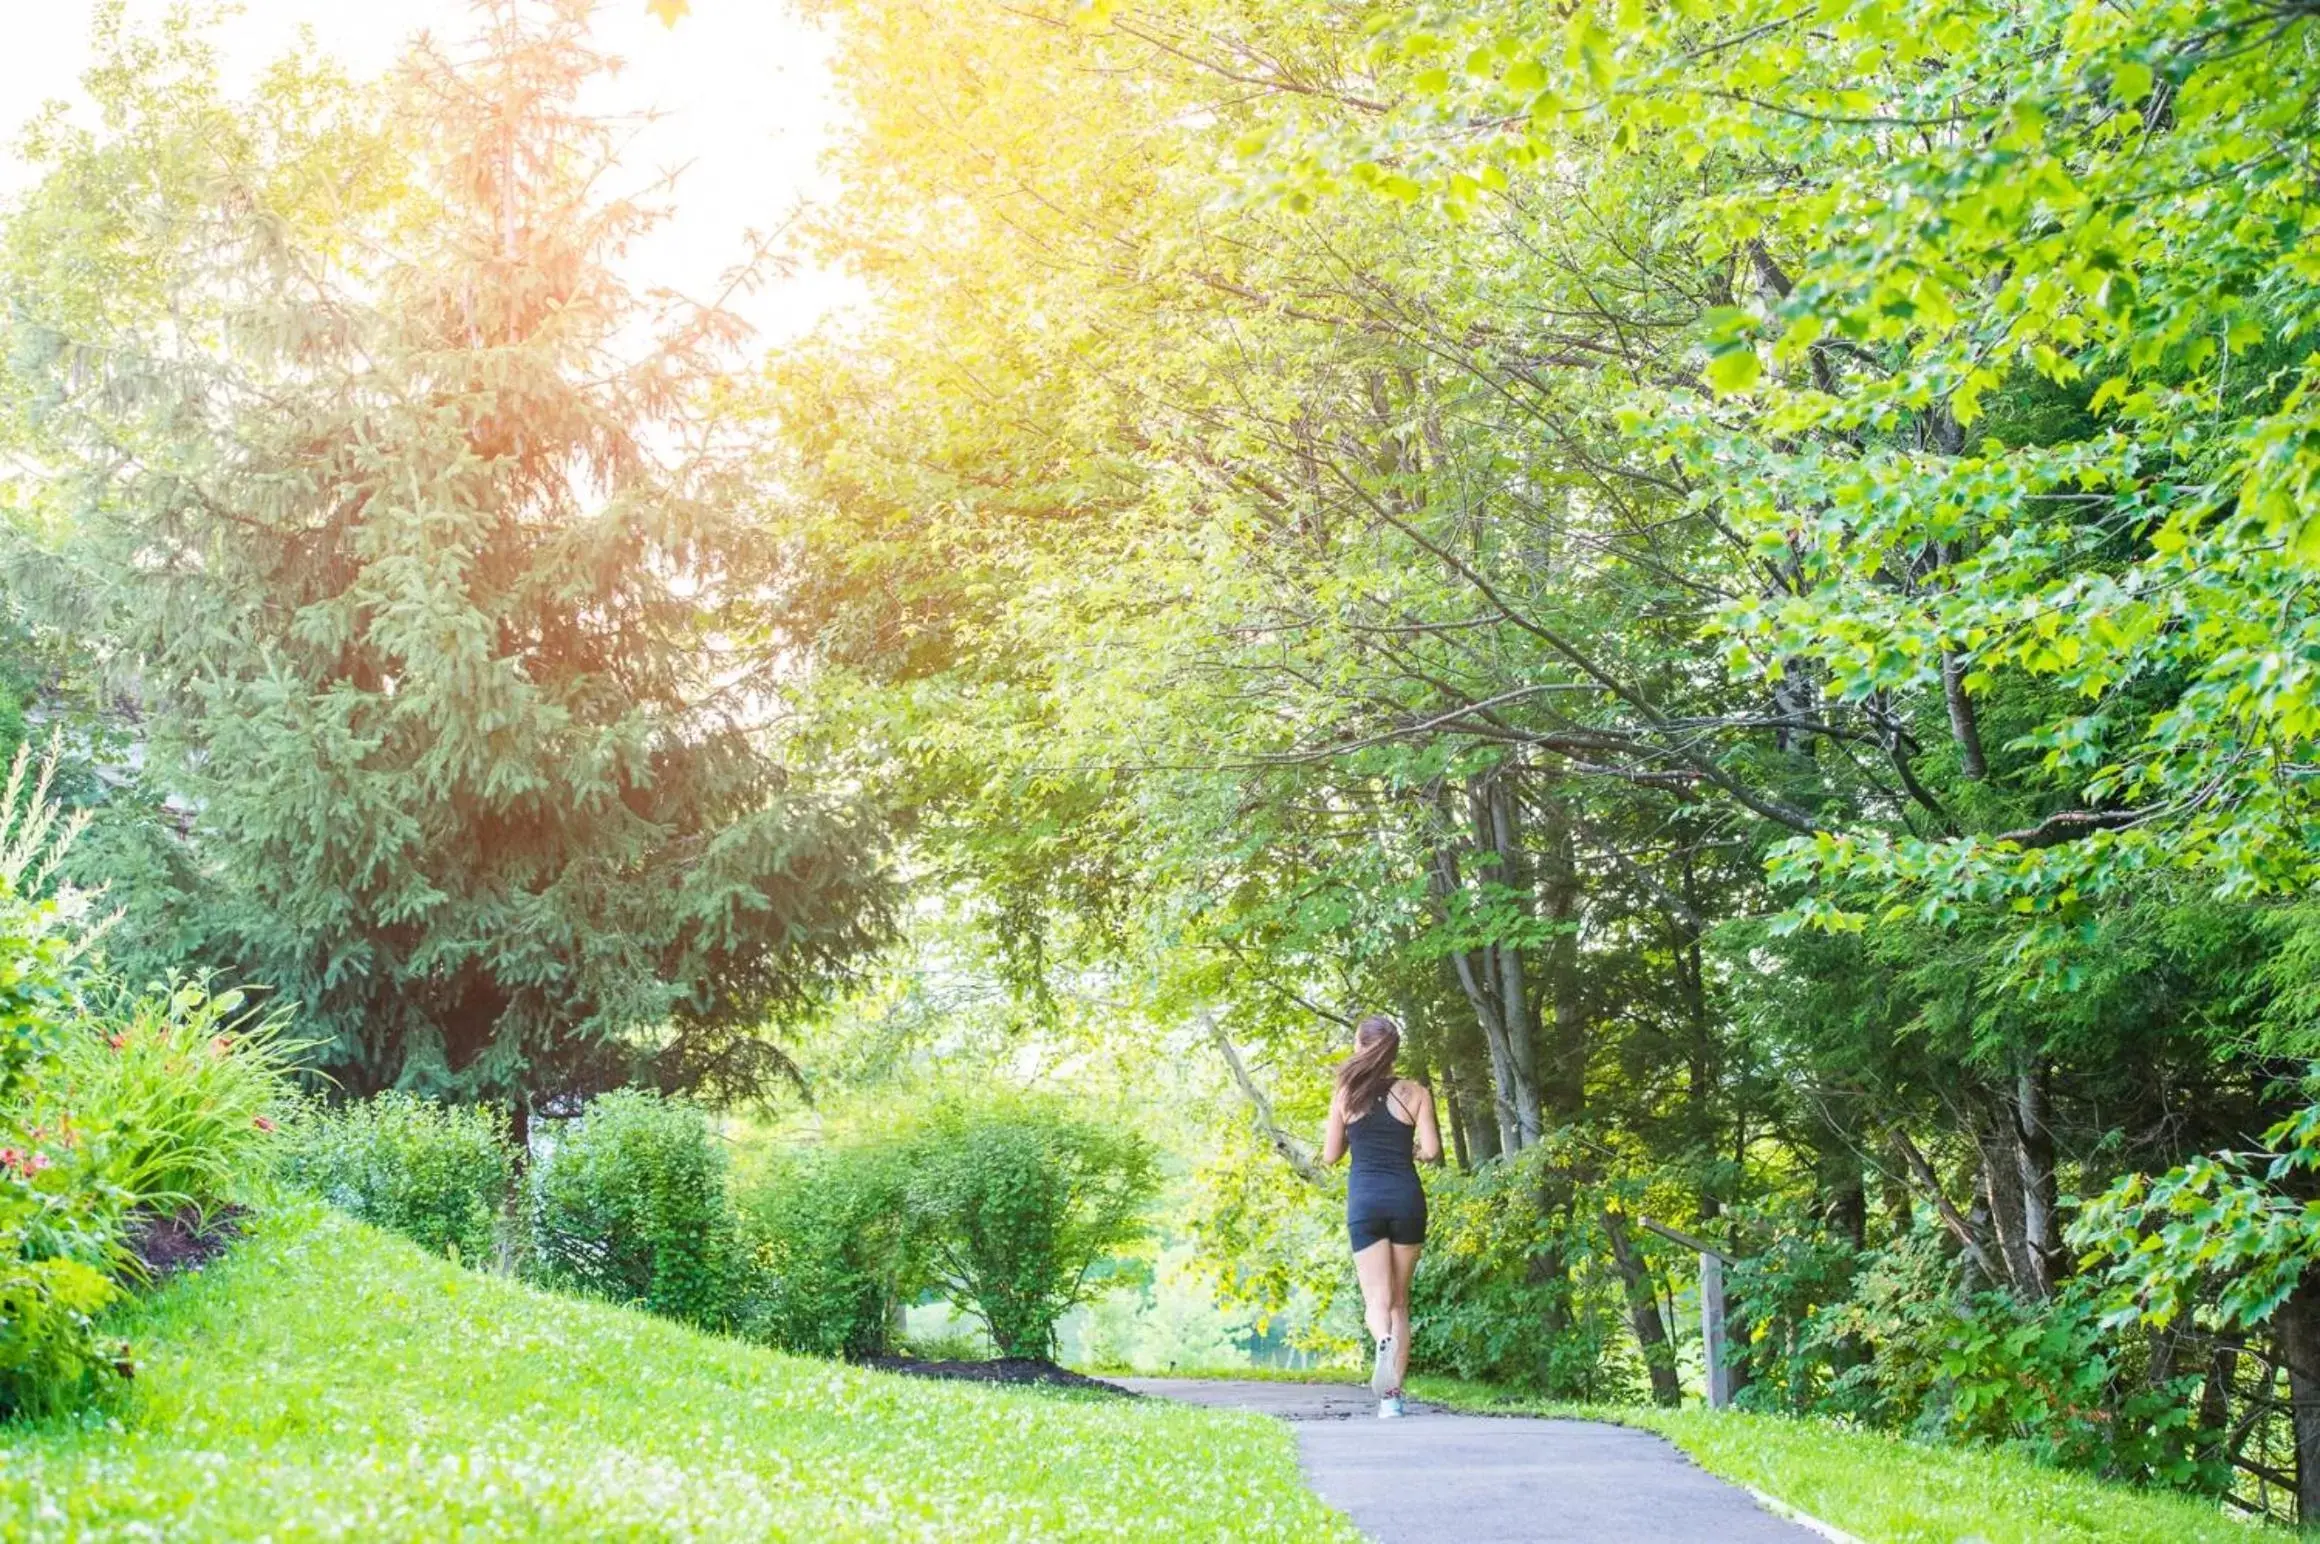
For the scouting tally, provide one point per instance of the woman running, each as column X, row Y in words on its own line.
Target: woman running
column 1387, row 1123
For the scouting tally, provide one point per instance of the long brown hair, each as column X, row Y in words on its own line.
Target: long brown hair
column 1367, row 1075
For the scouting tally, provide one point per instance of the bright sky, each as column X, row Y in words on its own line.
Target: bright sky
column 743, row 85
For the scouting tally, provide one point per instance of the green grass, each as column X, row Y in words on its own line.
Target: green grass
column 1890, row 1491
column 329, row 1381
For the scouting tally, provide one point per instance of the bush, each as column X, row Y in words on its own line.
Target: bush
column 1017, row 1200
column 39, row 935
column 59, row 1221
column 629, row 1203
column 180, row 1096
column 169, row 1103
column 1483, row 1307
column 831, row 1249
column 437, row 1174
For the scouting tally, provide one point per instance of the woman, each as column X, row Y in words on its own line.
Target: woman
column 1387, row 1123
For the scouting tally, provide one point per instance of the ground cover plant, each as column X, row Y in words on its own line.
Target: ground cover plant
column 348, row 1382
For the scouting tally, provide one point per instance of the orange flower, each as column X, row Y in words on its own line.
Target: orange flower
column 261, row 1123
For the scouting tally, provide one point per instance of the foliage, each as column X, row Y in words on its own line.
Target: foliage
column 1894, row 1339
column 1489, row 1313
column 40, row 933
column 628, row 1202
column 60, row 1206
column 831, row 1247
column 269, row 1378
column 431, row 538
column 2223, row 1234
column 1744, row 568
column 437, row 1174
column 168, row 1104
column 52, row 1355
column 182, row 1092
column 1018, row 1199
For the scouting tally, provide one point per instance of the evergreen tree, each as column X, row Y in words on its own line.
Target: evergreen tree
column 435, row 551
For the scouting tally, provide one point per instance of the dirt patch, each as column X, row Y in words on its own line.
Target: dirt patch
column 170, row 1242
column 1005, row 1369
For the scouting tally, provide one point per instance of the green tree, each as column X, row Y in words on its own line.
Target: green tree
column 433, row 544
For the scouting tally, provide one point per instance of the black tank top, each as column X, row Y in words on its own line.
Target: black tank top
column 1381, row 1142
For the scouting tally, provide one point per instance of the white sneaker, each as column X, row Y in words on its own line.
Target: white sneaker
column 1381, row 1377
column 1390, row 1408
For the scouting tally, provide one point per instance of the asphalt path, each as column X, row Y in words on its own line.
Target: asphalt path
column 1487, row 1479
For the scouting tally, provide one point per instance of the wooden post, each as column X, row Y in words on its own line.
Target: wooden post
column 1711, row 1310
column 1712, row 1329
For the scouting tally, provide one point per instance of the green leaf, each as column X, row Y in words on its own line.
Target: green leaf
column 1734, row 370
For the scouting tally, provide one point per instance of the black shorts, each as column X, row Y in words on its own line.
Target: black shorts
column 1397, row 1219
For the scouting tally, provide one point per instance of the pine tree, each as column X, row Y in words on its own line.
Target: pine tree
column 434, row 544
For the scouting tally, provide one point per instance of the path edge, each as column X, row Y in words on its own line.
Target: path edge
column 1797, row 1515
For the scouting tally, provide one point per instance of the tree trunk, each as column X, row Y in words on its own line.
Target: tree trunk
column 2034, row 1166
column 2295, row 1329
column 1565, row 1082
column 1643, row 1313
column 1963, row 727
column 1492, row 976
column 2215, row 1392
column 1845, row 1199
column 2002, row 1190
column 1498, row 830
column 1480, row 983
column 1466, row 1069
column 520, row 1133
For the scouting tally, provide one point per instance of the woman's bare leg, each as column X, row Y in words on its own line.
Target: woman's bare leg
column 1405, row 1265
column 1374, row 1269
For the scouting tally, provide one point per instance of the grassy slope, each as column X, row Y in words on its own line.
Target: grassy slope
column 1889, row 1491
column 329, row 1381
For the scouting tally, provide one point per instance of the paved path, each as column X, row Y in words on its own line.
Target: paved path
column 1488, row 1479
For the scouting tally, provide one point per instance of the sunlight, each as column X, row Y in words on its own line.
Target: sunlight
column 742, row 89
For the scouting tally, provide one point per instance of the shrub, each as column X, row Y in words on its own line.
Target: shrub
column 51, row 1356
column 39, row 935
column 180, row 1095
column 1486, row 1306
column 59, row 1222
column 437, row 1174
column 629, row 1203
column 1017, row 1200
column 831, row 1249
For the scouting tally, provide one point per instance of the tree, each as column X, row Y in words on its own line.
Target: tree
column 1456, row 495
column 433, row 545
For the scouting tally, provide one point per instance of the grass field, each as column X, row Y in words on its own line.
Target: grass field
column 329, row 1381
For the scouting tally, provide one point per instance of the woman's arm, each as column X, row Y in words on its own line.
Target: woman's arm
column 1429, row 1140
column 1333, row 1134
